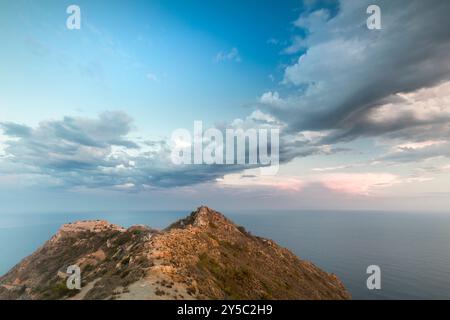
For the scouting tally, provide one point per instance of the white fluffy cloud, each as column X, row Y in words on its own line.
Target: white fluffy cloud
column 271, row 98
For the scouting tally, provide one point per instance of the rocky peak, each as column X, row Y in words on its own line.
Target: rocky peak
column 204, row 256
column 202, row 218
column 205, row 216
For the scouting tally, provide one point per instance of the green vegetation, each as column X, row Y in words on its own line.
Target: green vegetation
column 58, row 291
column 244, row 231
column 88, row 268
column 124, row 238
column 232, row 278
column 137, row 232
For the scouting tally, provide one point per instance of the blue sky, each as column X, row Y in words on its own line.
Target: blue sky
column 136, row 56
column 85, row 115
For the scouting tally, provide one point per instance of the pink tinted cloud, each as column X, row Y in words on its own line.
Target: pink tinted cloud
column 274, row 182
column 357, row 183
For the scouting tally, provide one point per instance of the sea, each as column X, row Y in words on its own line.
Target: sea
column 412, row 250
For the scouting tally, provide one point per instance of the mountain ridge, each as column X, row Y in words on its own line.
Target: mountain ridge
column 203, row 256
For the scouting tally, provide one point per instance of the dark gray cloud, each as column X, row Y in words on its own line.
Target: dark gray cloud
column 289, row 150
column 97, row 153
column 72, row 149
column 349, row 70
column 406, row 126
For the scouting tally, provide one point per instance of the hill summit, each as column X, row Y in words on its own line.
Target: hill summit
column 203, row 256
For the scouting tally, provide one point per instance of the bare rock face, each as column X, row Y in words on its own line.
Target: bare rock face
column 204, row 256
column 81, row 227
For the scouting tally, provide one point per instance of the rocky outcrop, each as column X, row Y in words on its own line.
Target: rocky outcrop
column 204, row 256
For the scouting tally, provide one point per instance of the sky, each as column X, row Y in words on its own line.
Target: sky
column 86, row 115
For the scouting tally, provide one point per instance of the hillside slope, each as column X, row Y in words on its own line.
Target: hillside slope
column 204, row 256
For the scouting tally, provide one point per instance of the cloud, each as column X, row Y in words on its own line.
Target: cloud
column 273, row 41
column 261, row 117
column 423, row 115
column 302, row 144
column 324, row 169
column 272, row 99
column 349, row 73
column 79, row 152
column 358, row 183
column 418, row 145
column 313, row 21
column 99, row 153
column 349, row 83
column 283, row 183
column 232, row 55
column 15, row 130
column 71, row 142
column 417, row 152
column 73, row 150
column 298, row 44
column 361, row 184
